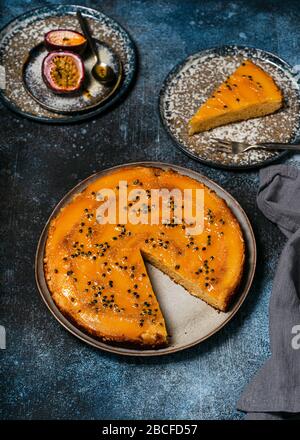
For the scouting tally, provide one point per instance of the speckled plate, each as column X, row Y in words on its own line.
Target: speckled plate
column 189, row 320
column 191, row 82
column 93, row 92
column 26, row 32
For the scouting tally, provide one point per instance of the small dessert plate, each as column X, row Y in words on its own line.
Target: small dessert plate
column 92, row 94
column 191, row 82
column 21, row 52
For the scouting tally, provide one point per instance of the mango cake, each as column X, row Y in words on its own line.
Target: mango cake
column 96, row 272
column 249, row 92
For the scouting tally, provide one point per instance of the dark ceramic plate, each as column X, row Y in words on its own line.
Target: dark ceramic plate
column 191, row 82
column 189, row 320
column 93, row 92
column 26, row 32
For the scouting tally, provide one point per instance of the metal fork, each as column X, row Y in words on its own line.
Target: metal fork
column 233, row 147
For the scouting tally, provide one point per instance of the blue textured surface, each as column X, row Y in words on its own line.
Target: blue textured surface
column 45, row 371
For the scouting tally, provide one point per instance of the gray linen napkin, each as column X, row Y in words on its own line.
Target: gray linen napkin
column 274, row 393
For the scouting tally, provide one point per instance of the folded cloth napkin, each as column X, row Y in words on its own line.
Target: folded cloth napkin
column 274, row 393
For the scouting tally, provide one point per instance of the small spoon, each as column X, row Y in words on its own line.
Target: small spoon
column 102, row 72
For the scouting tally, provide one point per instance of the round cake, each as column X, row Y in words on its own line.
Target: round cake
column 98, row 244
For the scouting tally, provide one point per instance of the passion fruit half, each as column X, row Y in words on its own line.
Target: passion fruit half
column 65, row 39
column 63, row 72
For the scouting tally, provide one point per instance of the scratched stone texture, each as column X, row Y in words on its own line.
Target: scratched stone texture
column 46, row 373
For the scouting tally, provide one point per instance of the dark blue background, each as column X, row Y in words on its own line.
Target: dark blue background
column 45, row 371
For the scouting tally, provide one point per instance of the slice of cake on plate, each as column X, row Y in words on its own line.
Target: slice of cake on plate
column 249, row 92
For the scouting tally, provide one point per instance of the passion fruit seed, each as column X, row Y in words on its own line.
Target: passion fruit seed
column 64, row 71
column 101, row 71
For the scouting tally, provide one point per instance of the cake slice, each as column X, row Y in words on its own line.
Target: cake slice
column 248, row 93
